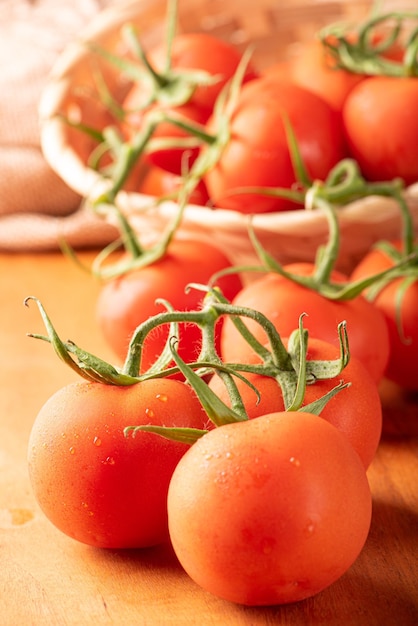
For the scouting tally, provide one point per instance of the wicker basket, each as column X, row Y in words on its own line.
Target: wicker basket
column 275, row 28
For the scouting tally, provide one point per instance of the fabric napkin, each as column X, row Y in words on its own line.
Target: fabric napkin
column 37, row 209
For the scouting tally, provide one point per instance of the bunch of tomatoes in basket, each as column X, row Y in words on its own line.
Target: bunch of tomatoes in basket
column 242, row 418
column 198, row 98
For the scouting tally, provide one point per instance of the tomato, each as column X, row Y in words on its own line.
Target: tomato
column 381, row 127
column 269, row 511
column 203, row 52
column 93, row 483
column 190, row 52
column 257, row 153
column 356, row 411
column 161, row 183
column 283, row 301
column 314, row 69
column 129, row 300
column 403, row 359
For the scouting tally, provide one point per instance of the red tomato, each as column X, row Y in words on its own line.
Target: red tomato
column 315, row 70
column 257, row 153
column 92, row 482
column 283, row 301
column 160, row 183
column 269, row 511
column 355, row 411
column 403, row 359
column 203, row 52
column 381, row 125
column 129, row 300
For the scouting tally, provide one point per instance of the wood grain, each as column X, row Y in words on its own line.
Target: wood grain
column 47, row 579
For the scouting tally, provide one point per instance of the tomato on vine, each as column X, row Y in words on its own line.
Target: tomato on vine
column 397, row 299
column 93, row 483
column 289, row 507
column 357, row 412
column 390, row 103
column 283, row 299
column 127, row 300
column 251, row 147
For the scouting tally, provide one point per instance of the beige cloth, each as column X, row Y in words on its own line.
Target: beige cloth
column 36, row 207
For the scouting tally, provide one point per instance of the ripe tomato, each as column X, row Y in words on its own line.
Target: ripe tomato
column 161, row 183
column 403, row 357
column 315, row 70
column 129, row 300
column 203, row 52
column 257, row 153
column 381, row 127
column 283, row 301
column 269, row 511
column 92, row 482
column 355, row 411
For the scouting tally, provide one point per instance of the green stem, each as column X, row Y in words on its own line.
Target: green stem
column 367, row 57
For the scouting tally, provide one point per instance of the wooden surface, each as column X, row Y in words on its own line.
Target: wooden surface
column 49, row 579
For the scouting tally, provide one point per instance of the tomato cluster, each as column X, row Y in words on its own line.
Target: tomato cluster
column 243, row 419
column 376, row 88
column 202, row 100
column 232, row 119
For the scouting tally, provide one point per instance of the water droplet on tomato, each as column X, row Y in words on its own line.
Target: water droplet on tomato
column 97, row 441
column 109, row 460
column 294, row 461
column 149, row 412
column 161, row 397
column 72, row 450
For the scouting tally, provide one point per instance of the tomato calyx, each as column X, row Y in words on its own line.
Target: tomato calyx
column 366, row 54
column 170, row 86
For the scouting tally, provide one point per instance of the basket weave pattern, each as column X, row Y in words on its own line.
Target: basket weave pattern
column 276, row 29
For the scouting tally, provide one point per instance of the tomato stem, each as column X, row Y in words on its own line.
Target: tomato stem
column 367, row 54
column 289, row 368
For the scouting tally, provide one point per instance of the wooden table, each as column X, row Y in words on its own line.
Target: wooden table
column 49, row 579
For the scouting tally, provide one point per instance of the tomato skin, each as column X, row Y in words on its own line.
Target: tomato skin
column 93, row 483
column 257, row 153
column 129, row 300
column 403, row 358
column 288, row 504
column 356, row 411
column 381, row 127
column 283, row 302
